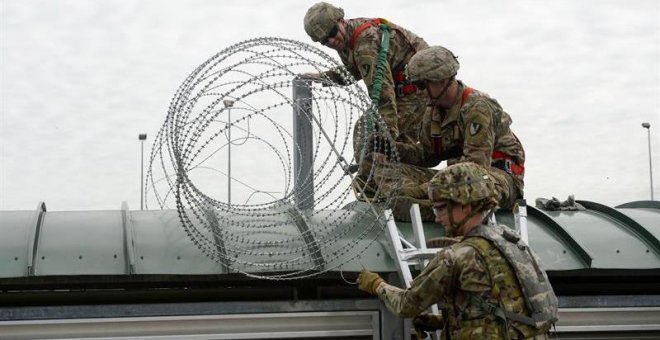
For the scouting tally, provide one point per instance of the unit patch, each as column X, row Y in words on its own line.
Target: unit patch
column 474, row 128
column 366, row 68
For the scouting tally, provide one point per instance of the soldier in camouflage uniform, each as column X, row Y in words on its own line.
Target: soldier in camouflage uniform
column 464, row 125
column 358, row 42
column 489, row 284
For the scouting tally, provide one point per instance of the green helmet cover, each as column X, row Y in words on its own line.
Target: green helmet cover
column 321, row 19
column 434, row 63
column 463, row 183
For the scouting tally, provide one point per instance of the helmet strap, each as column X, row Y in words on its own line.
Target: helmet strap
column 437, row 98
column 455, row 227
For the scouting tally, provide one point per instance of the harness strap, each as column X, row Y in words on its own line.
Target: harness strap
column 505, row 162
column 508, row 165
column 500, row 313
column 372, row 114
column 466, row 93
column 437, row 142
column 401, row 86
column 375, row 22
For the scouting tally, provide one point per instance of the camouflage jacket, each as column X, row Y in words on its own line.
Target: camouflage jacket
column 468, row 131
column 361, row 62
column 453, row 277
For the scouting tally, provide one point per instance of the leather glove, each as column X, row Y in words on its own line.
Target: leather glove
column 421, row 335
column 310, row 76
column 369, row 281
column 428, row 322
column 425, row 323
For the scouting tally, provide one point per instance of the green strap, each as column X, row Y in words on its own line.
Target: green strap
column 372, row 113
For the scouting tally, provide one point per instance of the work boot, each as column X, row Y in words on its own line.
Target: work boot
column 400, row 206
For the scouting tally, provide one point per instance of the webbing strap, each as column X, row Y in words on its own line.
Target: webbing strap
column 490, row 308
column 466, row 93
column 360, row 29
column 437, row 142
column 378, row 85
column 500, row 313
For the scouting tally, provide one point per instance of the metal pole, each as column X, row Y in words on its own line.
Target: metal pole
column 303, row 157
column 228, row 104
column 647, row 126
column 142, row 137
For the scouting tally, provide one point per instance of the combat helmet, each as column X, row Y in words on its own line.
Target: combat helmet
column 463, row 183
column 321, row 19
column 434, row 63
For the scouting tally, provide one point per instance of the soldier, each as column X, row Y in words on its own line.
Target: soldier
column 464, row 125
column 358, row 42
column 489, row 284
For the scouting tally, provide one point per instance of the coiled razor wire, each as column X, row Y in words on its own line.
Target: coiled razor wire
column 261, row 227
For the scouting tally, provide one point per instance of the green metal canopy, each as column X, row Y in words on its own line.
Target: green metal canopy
column 128, row 242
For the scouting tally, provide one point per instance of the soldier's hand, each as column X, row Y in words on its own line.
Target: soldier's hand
column 379, row 143
column 369, row 281
column 428, row 322
column 311, row 76
column 420, row 335
column 380, row 158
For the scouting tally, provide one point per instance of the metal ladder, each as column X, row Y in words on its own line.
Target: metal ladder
column 520, row 219
column 417, row 254
column 414, row 254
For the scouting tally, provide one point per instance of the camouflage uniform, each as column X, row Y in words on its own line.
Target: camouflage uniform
column 474, row 129
column 401, row 105
column 402, row 113
column 457, row 272
column 478, row 285
column 470, row 132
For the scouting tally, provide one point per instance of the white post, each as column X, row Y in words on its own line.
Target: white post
column 520, row 214
column 228, row 104
column 142, row 138
column 647, row 126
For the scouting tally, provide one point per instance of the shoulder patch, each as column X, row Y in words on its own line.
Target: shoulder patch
column 475, row 127
column 365, row 69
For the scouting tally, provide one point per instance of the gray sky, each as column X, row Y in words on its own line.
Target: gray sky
column 79, row 80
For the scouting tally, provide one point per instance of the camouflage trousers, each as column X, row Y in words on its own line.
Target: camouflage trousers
column 410, row 112
column 402, row 185
column 509, row 187
column 397, row 185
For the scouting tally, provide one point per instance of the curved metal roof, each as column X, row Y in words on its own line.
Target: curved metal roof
column 125, row 242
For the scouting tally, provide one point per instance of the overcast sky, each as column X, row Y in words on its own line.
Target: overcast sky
column 79, row 80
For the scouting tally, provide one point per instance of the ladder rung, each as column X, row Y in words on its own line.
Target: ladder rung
column 419, row 254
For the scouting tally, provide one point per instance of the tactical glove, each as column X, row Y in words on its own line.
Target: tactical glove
column 427, row 323
column 369, row 281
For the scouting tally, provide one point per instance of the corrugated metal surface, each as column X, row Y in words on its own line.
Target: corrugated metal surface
column 41, row 243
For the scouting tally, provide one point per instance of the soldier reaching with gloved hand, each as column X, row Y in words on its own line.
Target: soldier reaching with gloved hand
column 377, row 52
column 490, row 284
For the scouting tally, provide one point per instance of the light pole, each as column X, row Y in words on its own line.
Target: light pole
column 142, row 137
column 228, row 104
column 647, row 126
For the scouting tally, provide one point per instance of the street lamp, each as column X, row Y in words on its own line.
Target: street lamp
column 647, row 126
column 142, row 137
column 228, row 104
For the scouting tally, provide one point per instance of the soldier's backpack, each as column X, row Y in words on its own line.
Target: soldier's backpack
column 540, row 299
